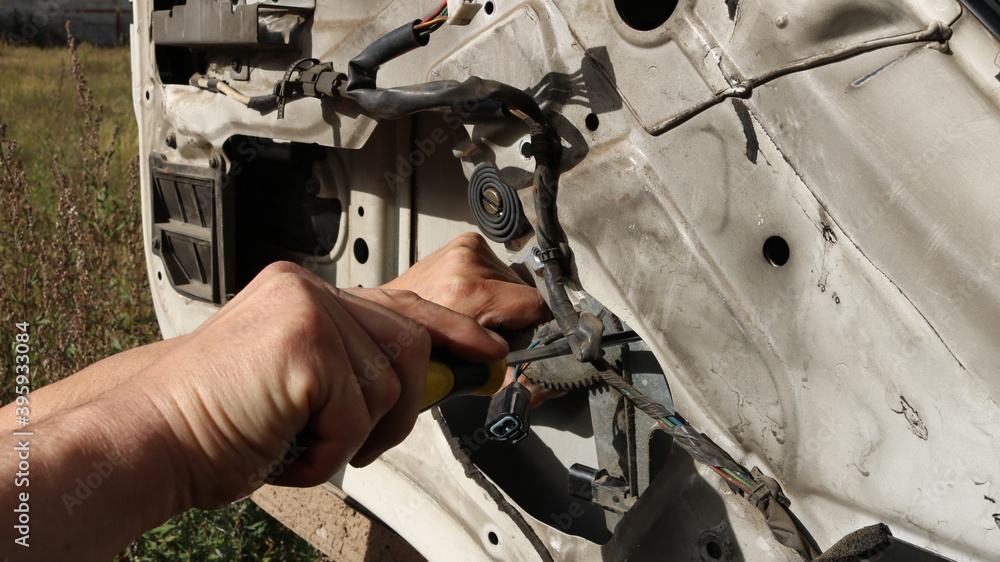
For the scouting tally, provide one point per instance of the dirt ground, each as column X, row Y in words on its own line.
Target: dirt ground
column 333, row 527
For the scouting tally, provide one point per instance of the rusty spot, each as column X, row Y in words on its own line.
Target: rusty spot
column 913, row 419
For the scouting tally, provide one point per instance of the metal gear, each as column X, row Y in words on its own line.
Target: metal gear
column 566, row 373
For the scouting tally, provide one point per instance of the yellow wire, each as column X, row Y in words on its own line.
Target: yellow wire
column 430, row 23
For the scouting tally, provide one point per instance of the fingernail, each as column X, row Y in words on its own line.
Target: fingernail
column 497, row 337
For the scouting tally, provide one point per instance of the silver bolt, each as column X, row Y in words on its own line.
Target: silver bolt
column 491, row 201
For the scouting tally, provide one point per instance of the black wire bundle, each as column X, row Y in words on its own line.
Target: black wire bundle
column 583, row 331
column 393, row 103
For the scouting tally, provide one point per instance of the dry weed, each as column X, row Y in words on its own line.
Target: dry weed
column 76, row 273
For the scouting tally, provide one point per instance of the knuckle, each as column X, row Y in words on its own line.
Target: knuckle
column 459, row 256
column 286, row 286
column 470, row 240
column 279, row 267
column 299, row 314
column 311, row 325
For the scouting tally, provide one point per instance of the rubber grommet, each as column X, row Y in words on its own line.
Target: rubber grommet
column 504, row 220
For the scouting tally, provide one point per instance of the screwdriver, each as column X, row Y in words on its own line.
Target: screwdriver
column 448, row 376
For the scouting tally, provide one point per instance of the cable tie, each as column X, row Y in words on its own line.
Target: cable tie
column 549, row 255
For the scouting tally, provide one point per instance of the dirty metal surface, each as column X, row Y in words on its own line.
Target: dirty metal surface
column 861, row 373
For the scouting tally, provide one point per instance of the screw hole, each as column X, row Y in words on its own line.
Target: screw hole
column 713, row 549
column 159, row 275
column 592, row 122
column 526, row 150
column 148, row 95
column 776, row 251
column 643, row 15
column 361, row 211
column 489, row 8
column 361, row 250
column 493, row 538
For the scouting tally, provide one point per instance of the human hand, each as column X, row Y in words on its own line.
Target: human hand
column 467, row 277
column 292, row 360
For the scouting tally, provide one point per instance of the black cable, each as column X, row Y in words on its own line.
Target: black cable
column 264, row 103
column 363, row 68
column 393, row 103
column 765, row 493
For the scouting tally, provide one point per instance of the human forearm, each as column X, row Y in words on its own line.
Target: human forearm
column 289, row 382
column 95, row 476
column 88, row 384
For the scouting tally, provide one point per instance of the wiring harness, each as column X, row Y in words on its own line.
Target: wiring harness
column 583, row 331
column 762, row 491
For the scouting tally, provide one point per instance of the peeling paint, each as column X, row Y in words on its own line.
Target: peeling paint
column 753, row 144
column 733, row 6
column 828, row 234
column 996, row 519
column 872, row 74
column 913, row 418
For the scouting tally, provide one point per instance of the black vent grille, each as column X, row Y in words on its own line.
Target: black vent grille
column 188, row 232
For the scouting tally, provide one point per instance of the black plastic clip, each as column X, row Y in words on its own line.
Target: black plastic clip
column 507, row 418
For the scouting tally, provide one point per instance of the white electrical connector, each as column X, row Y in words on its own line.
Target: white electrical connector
column 461, row 12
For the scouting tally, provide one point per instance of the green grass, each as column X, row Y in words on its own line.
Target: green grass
column 71, row 258
column 242, row 531
column 40, row 105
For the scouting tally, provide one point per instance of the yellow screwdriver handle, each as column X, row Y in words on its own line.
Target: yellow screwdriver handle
column 440, row 381
column 449, row 376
